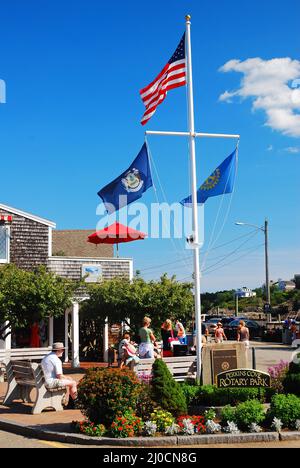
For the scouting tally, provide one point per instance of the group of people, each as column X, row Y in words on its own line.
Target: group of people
column 130, row 353
column 243, row 334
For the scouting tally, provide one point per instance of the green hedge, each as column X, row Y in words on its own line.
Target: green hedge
column 286, row 408
column 210, row 395
column 244, row 414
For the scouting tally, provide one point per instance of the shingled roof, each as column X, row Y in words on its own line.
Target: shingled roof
column 73, row 243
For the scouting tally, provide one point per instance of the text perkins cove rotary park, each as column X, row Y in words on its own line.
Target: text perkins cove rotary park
column 150, row 457
column 243, row 378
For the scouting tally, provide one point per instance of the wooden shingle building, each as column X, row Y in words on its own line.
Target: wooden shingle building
column 28, row 241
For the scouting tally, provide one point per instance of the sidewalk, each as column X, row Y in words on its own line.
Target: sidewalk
column 51, row 420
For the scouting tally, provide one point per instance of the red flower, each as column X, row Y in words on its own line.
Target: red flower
column 120, row 428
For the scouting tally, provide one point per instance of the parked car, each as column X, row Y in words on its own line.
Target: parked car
column 231, row 328
column 223, row 320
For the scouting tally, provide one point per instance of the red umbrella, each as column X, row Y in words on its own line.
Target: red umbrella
column 115, row 234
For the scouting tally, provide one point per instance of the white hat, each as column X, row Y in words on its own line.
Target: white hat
column 57, row 346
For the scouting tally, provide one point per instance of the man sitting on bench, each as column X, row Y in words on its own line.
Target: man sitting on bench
column 53, row 372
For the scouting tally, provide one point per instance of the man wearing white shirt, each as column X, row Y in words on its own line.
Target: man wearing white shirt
column 53, row 372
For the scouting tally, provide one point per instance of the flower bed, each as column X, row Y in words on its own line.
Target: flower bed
column 118, row 405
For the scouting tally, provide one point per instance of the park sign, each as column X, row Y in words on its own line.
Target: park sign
column 243, row 378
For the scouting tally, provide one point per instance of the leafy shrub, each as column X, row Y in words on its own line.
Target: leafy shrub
column 291, row 384
column 145, row 405
column 162, row 419
column 249, row 412
column 209, row 415
column 103, row 393
column 228, row 414
column 89, row 428
column 209, row 395
column 126, row 425
column 286, row 408
column 165, row 390
column 190, row 392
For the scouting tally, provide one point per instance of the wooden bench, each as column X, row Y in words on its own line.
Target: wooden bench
column 22, row 377
column 181, row 367
column 20, row 354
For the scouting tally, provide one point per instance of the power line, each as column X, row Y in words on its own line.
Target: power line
column 226, row 264
column 228, row 255
column 158, row 266
column 235, row 260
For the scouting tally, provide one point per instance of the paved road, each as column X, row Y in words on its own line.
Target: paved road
column 9, row 440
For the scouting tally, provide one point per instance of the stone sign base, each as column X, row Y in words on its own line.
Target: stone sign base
column 221, row 357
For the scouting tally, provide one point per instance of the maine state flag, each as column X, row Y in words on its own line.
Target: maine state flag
column 219, row 182
column 130, row 185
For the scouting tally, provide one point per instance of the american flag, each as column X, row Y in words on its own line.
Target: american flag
column 172, row 76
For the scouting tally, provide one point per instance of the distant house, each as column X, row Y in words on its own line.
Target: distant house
column 286, row 285
column 29, row 241
column 245, row 292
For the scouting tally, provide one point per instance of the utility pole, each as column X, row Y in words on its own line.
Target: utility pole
column 236, row 304
column 265, row 230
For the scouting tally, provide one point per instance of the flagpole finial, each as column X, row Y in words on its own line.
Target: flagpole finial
column 188, row 17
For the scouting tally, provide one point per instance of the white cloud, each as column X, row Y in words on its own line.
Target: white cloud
column 270, row 148
column 292, row 150
column 274, row 86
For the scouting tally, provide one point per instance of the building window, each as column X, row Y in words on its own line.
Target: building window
column 4, row 244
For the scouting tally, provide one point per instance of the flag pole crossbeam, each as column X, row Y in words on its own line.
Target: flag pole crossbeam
column 194, row 135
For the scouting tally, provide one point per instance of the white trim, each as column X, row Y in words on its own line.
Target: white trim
column 67, row 335
column 105, row 341
column 92, row 259
column 50, row 241
column 75, row 335
column 28, row 215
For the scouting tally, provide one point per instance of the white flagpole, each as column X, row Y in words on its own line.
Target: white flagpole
column 192, row 142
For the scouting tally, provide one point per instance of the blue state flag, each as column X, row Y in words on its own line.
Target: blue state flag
column 130, row 185
column 219, row 182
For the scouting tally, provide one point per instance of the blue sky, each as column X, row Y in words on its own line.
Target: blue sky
column 71, row 122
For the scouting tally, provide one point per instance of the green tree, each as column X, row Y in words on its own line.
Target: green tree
column 166, row 391
column 120, row 300
column 27, row 297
